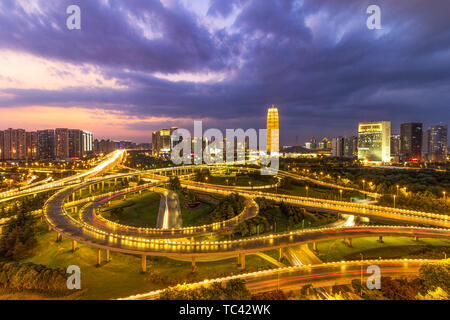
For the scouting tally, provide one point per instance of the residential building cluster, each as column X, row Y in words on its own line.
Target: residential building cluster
column 49, row 144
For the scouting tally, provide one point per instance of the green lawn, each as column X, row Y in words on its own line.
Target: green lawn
column 121, row 277
column 242, row 181
column 318, row 192
column 392, row 247
column 139, row 211
column 196, row 216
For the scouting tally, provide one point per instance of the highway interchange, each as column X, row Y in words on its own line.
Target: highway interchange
column 90, row 228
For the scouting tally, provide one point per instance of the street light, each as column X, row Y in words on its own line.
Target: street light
column 394, row 200
column 397, row 189
column 362, row 258
column 340, row 191
column 307, row 189
column 444, row 194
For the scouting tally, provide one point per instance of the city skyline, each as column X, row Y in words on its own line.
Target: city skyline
column 225, row 68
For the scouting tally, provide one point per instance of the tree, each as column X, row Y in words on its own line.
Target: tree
column 18, row 240
column 436, row 275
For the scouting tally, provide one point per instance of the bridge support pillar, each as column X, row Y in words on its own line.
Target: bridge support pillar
column 1, row 230
column 315, row 246
column 349, row 242
column 281, row 254
column 241, row 259
column 58, row 237
column 103, row 185
column 90, row 188
column 108, row 256
column 74, row 245
column 193, row 264
column 416, row 238
column 99, row 257
column 380, row 239
column 144, row 263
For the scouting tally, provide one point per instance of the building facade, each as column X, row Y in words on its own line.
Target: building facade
column 273, row 130
column 374, row 141
column 411, row 141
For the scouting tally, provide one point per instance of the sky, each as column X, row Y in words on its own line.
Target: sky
column 140, row 65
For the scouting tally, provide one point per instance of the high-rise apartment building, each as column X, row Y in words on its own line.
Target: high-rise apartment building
column 411, row 141
column 273, row 130
column 62, row 143
column 14, row 144
column 46, row 144
column 374, row 141
column 31, row 145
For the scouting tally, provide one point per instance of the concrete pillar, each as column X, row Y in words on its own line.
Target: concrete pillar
column 74, row 245
column 242, row 260
column 144, row 263
column 108, row 256
column 315, row 246
column 380, row 239
column 103, row 185
column 281, row 254
column 193, row 264
column 416, row 238
column 58, row 237
column 99, row 257
column 349, row 242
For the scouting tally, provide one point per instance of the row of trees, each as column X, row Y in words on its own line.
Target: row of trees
column 18, row 239
column 29, row 203
column 433, row 283
column 268, row 210
column 231, row 290
column 418, row 201
column 34, row 277
column 228, row 207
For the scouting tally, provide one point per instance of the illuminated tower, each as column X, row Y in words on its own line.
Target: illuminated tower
column 273, row 129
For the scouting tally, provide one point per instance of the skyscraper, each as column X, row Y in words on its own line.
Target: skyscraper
column 438, row 143
column 395, row 147
column 337, row 147
column 411, row 141
column 273, row 130
column 374, row 141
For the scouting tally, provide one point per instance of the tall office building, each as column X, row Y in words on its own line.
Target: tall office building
column 438, row 143
column 350, row 147
column 62, row 143
column 86, row 142
column 337, row 147
column 374, row 141
column 395, row 147
column 161, row 142
column 32, row 145
column 411, row 141
column 46, row 144
column 273, row 130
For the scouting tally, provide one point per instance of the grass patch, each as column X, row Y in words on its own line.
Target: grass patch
column 392, row 247
column 140, row 211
